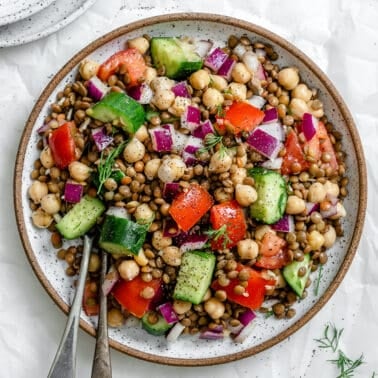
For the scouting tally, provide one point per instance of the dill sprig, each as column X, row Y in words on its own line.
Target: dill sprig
column 219, row 233
column 211, row 141
column 320, row 275
column 331, row 337
column 105, row 166
column 347, row 366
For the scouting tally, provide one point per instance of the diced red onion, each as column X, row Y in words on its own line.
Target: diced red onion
column 264, row 143
column 246, row 317
column 45, row 127
column 175, row 332
column 189, row 159
column 239, row 50
column 215, row 59
column 285, row 224
column 191, row 117
column 179, row 141
column 311, row 207
column 73, row 192
column 117, row 211
column 168, row 313
column 96, row 88
column 226, row 68
column 309, row 125
column 193, row 242
column 170, row 229
column 203, row 129
column 257, row 101
column 162, row 140
column 260, row 52
column 101, row 139
column 244, row 333
column 158, row 298
column 260, row 72
column 272, row 163
column 274, row 129
column 170, row 190
column 110, row 280
column 193, row 144
column 333, row 199
column 141, row 93
column 330, row 212
column 251, row 61
column 203, row 47
column 271, row 115
column 211, row 335
column 181, row 89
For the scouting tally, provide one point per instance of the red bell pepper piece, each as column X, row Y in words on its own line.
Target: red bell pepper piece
column 254, row 294
column 131, row 59
column 90, row 304
column 242, row 116
column 189, row 206
column 231, row 215
column 62, row 145
column 294, row 154
column 127, row 294
column 273, row 252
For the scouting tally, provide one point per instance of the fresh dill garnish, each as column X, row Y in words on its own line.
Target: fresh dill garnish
column 105, row 166
column 269, row 313
column 347, row 366
column 320, row 275
column 331, row 337
column 212, row 140
column 219, row 233
column 220, row 111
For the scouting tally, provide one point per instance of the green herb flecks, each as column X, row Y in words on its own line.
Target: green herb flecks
column 220, row 111
column 331, row 337
column 319, row 278
column 269, row 313
column 211, row 141
column 105, row 166
column 219, row 233
column 347, row 366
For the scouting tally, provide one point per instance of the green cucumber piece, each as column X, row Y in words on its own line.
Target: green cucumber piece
column 119, row 106
column 271, row 195
column 81, row 218
column 178, row 57
column 290, row 273
column 195, row 275
column 122, row 236
column 157, row 329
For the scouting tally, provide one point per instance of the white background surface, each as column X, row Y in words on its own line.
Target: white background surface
column 342, row 38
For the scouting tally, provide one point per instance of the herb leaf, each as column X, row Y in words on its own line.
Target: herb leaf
column 105, row 166
column 347, row 366
column 320, row 275
column 219, row 233
column 331, row 337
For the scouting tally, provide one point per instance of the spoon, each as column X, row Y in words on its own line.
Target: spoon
column 64, row 364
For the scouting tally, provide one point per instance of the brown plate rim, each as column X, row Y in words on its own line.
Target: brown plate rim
column 213, row 18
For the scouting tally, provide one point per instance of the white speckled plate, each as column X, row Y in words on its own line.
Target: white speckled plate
column 57, row 15
column 14, row 10
column 190, row 350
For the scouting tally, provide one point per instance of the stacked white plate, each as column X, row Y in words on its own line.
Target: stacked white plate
column 23, row 21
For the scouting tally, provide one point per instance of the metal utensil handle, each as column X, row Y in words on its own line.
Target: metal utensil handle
column 101, row 367
column 64, row 364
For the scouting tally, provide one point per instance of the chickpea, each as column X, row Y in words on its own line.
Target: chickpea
column 181, row 307
column 79, row 171
column 212, row 98
column 162, row 83
column 248, row 249
column 46, row 158
column 128, row 269
column 142, row 134
column 94, row 263
column 261, row 231
column 141, row 258
column 159, row 241
column 179, row 106
column 316, row 193
column 171, row 255
column 288, row 78
column 220, row 162
column 199, row 79
column 215, row 308
column 331, row 188
column 240, row 73
column 295, row 205
column 88, row 69
column 41, row 219
column 163, row 99
column 171, row 169
column 139, row 43
column 302, row 91
column 115, row 318
column 150, row 74
column 238, row 176
column 143, row 214
column 341, row 212
column 151, row 168
column 134, row 151
column 245, row 194
column 298, row 107
column 238, row 91
column 315, row 108
column 37, row 191
column 218, row 82
column 315, row 240
column 50, row 203
column 329, row 237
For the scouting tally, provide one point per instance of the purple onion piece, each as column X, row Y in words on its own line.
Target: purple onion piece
column 272, row 163
column 264, row 143
column 181, row 90
column 215, row 59
column 158, row 299
column 191, row 117
column 271, row 115
column 260, row 73
column 226, row 69
column 170, row 190
column 311, row 207
column 285, row 224
column 330, row 212
column 193, row 242
column 162, row 140
column 309, row 126
column 210, row 335
column 246, row 317
column 111, row 279
column 141, row 93
column 101, row 139
column 189, row 159
column 203, row 47
column 168, row 313
column 73, row 192
column 96, row 88
column 170, row 229
column 193, row 145
column 274, row 129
